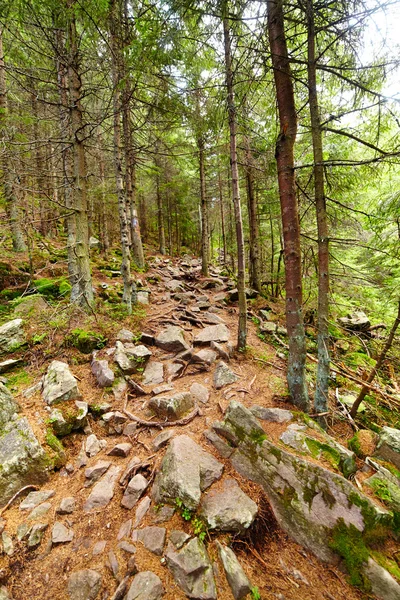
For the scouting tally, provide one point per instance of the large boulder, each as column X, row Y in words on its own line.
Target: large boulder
column 172, row 339
column 145, row 586
column 12, row 336
column 69, row 418
column 59, row 384
column 101, row 370
column 228, row 509
column 153, row 373
column 84, row 585
column 319, row 509
column 192, row 570
column 185, row 472
column 212, row 333
column 388, row 446
column 172, row 407
column 357, row 321
column 8, row 406
column 30, row 306
column 131, row 358
column 23, row 460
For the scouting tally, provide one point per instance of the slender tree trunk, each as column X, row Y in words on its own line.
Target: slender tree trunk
column 364, row 390
column 322, row 387
column 290, row 219
column 103, row 221
column 115, row 17
column 39, row 176
column 203, row 211
column 9, row 183
column 80, row 204
column 254, row 229
column 221, row 203
column 242, row 329
column 160, row 217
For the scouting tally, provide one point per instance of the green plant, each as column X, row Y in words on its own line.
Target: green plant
column 186, row 513
column 199, row 528
column 255, row 594
column 85, row 341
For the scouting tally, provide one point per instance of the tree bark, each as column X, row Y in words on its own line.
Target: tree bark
column 80, row 203
column 242, row 329
column 364, row 390
column 203, row 211
column 254, row 229
column 322, row 386
column 160, row 215
column 221, row 202
column 115, row 43
column 9, row 180
column 284, row 154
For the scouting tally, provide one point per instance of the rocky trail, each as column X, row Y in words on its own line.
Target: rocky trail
column 183, row 470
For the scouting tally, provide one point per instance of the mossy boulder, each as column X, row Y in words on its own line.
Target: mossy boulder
column 363, row 443
column 68, row 417
column 388, row 446
column 30, row 306
column 12, row 336
column 131, row 358
column 59, row 384
column 85, row 341
column 8, row 406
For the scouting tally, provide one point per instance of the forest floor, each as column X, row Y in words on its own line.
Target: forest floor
column 276, row 565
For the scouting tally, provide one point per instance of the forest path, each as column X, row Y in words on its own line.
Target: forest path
column 83, row 525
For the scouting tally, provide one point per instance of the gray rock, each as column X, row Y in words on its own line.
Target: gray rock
column 127, row 547
column 27, row 307
column 200, row 392
column 94, row 243
column 4, row 594
column 99, row 547
column 212, row 318
column 223, row 375
column 172, row 339
column 7, row 543
column 145, row 586
column 59, row 384
column 113, row 564
column 161, row 514
column 131, row 358
column 60, row 534
column 125, row 529
column 161, row 389
column 40, row 511
column 84, row 585
column 383, row 585
column 23, row 531
column 143, row 297
column 93, row 445
column 281, row 330
column 63, row 422
column 134, row 490
column 173, row 370
column 124, row 335
column 122, row 449
column 268, row 327
column 186, row 471
column 213, row 333
column 307, row 500
column 237, row 579
column 141, row 510
column 36, row 534
column 173, row 407
column 192, row 570
column 229, row 508
column 206, row 356
column 34, row 499
column 357, row 321
column 8, row 406
column 129, row 429
column 388, row 446
column 12, row 336
column 274, row 415
column 223, row 350
column 224, row 449
column 7, row 365
column 101, row 370
column 175, row 286
column 153, row 373
column 152, row 538
column 178, row 538
column 103, row 492
column 67, row 506
column 162, row 439
column 94, row 473
column 23, row 460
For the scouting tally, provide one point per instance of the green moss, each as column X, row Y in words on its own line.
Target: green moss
column 52, row 441
column 85, row 341
column 276, row 452
column 319, row 449
column 387, row 563
column 354, row 446
column 310, row 492
column 64, row 288
column 289, row 495
column 257, row 437
column 376, row 525
column 19, row 378
column 348, row 542
column 359, row 359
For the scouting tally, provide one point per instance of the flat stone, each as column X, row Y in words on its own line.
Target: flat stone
column 143, row 297
column 99, row 547
column 172, row 339
column 383, row 585
column 228, row 509
column 162, row 439
column 104, row 375
column 223, row 375
column 223, row 448
column 237, row 579
column 60, row 534
column 161, row 389
column 388, row 446
column 84, row 585
column 178, row 538
column 175, row 286
column 103, row 491
column 141, row 510
column 93, row 445
column 223, row 350
column 7, row 365
column 131, row 358
column 67, row 506
column 129, row 429
column 274, row 415
column 186, row 471
column 23, row 531
column 113, row 564
column 40, row 511
column 145, row 586
column 213, row 333
column 268, row 327
column 12, row 336
column 153, row 373
column 127, row 547
column 212, row 318
column 125, row 529
column 152, row 538
column 192, row 570
column 173, row 407
column 200, row 392
column 94, row 473
column 36, row 534
column 124, row 335
column 59, row 384
column 205, row 356
column 7, row 543
column 162, row 514
column 134, row 490
column 33, row 499
column 357, row 321
column 122, row 449
column 66, row 419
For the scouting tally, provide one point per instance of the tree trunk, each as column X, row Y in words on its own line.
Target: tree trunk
column 290, row 219
column 80, row 204
column 115, row 43
column 160, row 217
column 203, row 211
column 254, row 229
column 103, row 225
column 364, row 390
column 221, row 203
column 242, row 329
column 322, row 387
column 9, row 181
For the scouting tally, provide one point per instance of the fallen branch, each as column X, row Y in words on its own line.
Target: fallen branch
column 27, row 487
column 271, row 364
column 161, row 424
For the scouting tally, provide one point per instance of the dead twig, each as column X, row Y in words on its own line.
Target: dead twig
column 27, row 487
column 161, row 424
